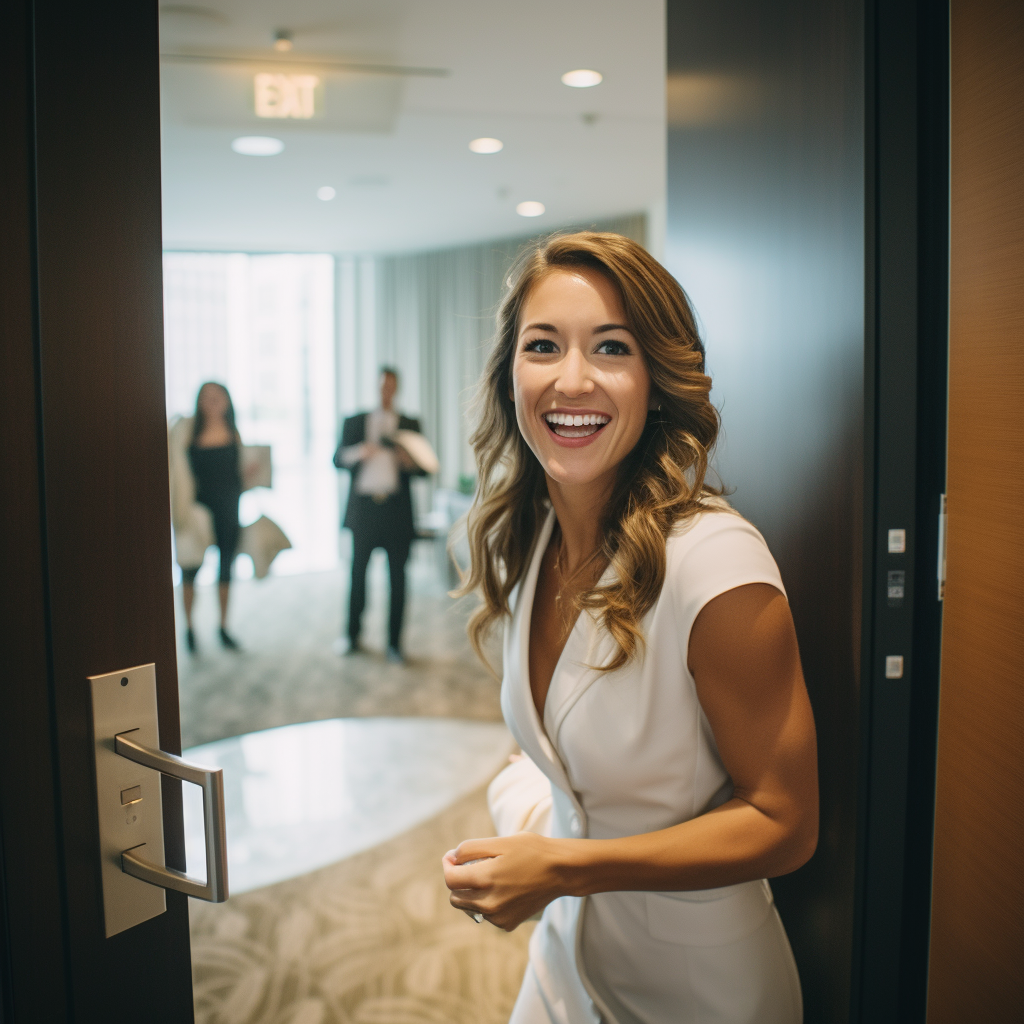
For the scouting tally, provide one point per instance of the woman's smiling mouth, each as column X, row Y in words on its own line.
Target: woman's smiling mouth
column 575, row 425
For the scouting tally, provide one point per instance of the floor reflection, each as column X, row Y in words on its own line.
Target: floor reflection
column 304, row 796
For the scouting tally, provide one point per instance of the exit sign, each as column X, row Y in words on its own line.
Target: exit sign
column 279, row 95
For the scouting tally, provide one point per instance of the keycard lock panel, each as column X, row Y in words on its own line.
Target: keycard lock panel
column 128, row 795
column 129, row 763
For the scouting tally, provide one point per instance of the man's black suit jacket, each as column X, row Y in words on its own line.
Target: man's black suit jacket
column 390, row 520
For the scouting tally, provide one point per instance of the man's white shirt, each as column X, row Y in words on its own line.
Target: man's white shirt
column 378, row 474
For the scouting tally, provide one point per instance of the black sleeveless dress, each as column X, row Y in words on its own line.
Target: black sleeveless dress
column 218, row 487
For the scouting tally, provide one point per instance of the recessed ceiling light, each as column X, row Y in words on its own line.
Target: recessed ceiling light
column 530, row 209
column 257, row 145
column 487, row 145
column 582, row 78
column 283, row 40
column 326, row 193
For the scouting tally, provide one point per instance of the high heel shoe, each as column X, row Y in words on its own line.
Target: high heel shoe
column 228, row 641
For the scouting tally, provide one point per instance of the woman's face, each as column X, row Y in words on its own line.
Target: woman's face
column 213, row 401
column 579, row 381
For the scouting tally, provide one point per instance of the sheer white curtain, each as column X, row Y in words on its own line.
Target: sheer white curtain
column 430, row 314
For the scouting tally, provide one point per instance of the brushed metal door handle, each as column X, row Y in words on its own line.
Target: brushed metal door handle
column 215, row 888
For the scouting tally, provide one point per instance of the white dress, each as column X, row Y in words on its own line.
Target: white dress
column 629, row 752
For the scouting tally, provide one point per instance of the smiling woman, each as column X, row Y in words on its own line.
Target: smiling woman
column 651, row 464
column 579, row 379
column 652, row 676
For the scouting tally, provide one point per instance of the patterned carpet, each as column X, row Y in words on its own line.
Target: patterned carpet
column 287, row 671
column 371, row 939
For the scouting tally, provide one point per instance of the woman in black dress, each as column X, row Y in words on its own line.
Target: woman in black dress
column 214, row 458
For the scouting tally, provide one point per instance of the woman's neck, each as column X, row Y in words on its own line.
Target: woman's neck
column 216, row 428
column 579, row 510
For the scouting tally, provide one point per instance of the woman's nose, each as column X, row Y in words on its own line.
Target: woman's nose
column 574, row 375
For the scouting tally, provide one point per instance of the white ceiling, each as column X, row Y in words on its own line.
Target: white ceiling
column 399, row 161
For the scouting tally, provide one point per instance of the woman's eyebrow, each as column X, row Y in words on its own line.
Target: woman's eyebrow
column 597, row 330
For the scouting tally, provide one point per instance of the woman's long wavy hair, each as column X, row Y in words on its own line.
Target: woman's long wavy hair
column 660, row 482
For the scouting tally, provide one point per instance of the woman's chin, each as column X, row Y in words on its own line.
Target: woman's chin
column 563, row 473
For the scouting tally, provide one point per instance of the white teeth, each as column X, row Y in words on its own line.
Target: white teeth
column 563, row 419
column 572, row 421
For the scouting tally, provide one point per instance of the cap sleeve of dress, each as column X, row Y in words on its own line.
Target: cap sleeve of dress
column 716, row 552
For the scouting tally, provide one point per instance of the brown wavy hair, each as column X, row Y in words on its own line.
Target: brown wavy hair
column 660, row 482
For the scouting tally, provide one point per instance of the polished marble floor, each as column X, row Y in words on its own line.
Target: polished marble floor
column 301, row 797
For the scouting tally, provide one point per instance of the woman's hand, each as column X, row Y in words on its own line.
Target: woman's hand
column 512, row 877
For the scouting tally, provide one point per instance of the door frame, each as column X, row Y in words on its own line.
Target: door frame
column 906, row 353
column 86, row 549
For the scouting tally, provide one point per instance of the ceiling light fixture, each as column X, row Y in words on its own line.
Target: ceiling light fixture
column 530, row 208
column 326, row 193
column 582, row 78
column 487, row 145
column 283, row 40
column 257, row 145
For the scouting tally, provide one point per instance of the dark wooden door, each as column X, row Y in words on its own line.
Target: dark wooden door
column 977, row 936
column 85, row 546
column 807, row 216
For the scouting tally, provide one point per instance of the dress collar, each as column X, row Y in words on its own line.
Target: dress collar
column 531, row 735
column 586, row 645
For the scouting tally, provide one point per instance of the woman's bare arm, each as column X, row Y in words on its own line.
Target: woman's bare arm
column 746, row 665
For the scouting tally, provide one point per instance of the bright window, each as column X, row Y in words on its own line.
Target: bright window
column 263, row 325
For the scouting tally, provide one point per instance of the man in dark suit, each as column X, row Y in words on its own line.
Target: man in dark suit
column 379, row 511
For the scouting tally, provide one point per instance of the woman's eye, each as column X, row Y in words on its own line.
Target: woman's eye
column 613, row 348
column 540, row 345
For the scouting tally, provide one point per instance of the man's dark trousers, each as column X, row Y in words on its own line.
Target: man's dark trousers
column 397, row 547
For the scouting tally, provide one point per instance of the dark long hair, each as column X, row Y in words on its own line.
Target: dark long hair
column 199, row 421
